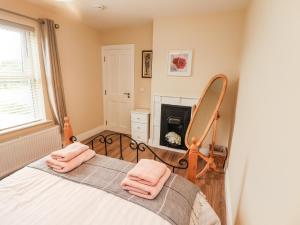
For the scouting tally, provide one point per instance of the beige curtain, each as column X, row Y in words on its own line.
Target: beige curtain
column 53, row 71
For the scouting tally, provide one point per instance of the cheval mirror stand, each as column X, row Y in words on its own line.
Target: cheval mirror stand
column 204, row 120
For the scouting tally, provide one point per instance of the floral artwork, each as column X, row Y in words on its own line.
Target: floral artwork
column 180, row 63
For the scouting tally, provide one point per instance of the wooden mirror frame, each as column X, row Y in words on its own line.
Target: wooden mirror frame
column 193, row 148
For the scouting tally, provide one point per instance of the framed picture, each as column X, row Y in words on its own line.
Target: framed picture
column 180, row 63
column 147, row 64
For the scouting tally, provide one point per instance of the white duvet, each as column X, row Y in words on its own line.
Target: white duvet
column 34, row 197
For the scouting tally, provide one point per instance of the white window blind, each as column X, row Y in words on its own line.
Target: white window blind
column 21, row 96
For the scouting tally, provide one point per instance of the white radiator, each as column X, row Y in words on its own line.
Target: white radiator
column 19, row 152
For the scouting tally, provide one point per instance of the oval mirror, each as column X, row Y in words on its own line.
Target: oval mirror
column 206, row 110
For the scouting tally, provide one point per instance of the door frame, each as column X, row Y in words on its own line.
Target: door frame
column 130, row 47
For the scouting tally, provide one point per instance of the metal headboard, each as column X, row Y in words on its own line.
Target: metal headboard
column 134, row 145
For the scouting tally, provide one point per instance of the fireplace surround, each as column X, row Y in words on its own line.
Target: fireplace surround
column 155, row 124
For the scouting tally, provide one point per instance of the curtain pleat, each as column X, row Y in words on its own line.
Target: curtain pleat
column 53, row 72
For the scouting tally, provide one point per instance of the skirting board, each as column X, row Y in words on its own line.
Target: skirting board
column 228, row 200
column 85, row 135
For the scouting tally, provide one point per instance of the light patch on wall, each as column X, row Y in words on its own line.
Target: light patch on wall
column 74, row 10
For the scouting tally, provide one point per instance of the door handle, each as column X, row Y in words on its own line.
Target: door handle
column 127, row 93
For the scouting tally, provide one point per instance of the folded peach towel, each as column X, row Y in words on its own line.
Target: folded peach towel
column 64, row 167
column 147, row 171
column 69, row 152
column 143, row 190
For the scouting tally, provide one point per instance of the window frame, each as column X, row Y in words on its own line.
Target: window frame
column 31, row 55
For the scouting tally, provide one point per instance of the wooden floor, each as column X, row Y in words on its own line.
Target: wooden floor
column 212, row 185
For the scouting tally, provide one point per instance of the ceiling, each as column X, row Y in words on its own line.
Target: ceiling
column 133, row 12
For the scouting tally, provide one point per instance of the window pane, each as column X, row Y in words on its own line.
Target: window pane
column 18, row 103
column 21, row 96
column 11, row 51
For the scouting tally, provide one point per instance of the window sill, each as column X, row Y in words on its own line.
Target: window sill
column 26, row 126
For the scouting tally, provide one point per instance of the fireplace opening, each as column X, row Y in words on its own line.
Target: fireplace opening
column 174, row 123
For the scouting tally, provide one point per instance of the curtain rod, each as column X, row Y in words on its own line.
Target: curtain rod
column 27, row 17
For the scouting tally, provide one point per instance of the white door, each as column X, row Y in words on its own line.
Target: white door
column 118, row 86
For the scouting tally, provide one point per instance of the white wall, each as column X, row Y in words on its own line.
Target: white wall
column 263, row 168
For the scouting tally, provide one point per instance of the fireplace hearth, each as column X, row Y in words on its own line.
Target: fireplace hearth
column 174, row 123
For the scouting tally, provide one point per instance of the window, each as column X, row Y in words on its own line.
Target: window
column 21, row 96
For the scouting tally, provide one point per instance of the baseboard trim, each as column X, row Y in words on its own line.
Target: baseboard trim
column 228, row 200
column 85, row 135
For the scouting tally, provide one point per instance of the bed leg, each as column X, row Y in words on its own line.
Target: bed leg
column 121, row 148
column 193, row 161
column 68, row 132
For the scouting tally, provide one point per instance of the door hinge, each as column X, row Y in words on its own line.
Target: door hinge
column 106, row 122
column 104, row 58
column 104, row 92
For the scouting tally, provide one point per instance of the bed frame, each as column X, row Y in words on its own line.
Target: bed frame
column 134, row 145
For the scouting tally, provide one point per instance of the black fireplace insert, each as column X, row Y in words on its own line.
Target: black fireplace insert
column 174, row 123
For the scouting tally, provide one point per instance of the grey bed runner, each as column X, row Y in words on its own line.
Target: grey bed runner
column 174, row 203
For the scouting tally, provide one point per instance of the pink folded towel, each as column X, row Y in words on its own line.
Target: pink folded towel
column 147, row 171
column 143, row 190
column 69, row 152
column 64, row 167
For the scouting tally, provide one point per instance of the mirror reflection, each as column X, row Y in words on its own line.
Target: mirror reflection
column 206, row 107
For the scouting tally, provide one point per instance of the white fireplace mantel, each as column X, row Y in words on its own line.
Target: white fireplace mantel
column 157, row 101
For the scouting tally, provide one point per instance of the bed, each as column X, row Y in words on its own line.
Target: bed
column 91, row 194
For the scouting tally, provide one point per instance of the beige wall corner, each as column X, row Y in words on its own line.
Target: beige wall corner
column 263, row 166
column 216, row 41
